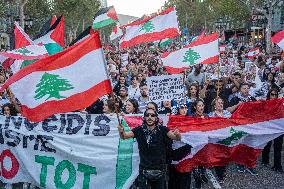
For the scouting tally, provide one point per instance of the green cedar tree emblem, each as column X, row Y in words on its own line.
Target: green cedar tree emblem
column 24, row 51
column 51, row 85
column 235, row 136
column 148, row 27
column 190, row 57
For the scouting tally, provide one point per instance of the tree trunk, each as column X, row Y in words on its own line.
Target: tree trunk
column 268, row 30
column 21, row 12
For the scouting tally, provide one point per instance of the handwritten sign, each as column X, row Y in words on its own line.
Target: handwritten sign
column 166, row 87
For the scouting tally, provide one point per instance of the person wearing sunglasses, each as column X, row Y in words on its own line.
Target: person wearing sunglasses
column 152, row 140
column 277, row 143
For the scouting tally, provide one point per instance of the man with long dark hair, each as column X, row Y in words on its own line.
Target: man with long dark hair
column 152, row 140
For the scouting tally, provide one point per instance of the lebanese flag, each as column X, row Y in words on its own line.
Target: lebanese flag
column 53, row 38
column 57, row 83
column 28, row 52
column 116, row 32
column 278, row 38
column 204, row 50
column 220, row 141
column 158, row 27
column 253, row 52
column 222, row 48
column 105, row 17
column 240, row 139
column 21, row 38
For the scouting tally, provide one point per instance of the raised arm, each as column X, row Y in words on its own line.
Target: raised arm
column 124, row 135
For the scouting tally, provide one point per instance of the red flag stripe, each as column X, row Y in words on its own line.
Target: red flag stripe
column 278, row 37
column 75, row 102
column 149, row 37
column 212, row 155
column 58, row 60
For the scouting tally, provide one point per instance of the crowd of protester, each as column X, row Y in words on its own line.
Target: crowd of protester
column 210, row 90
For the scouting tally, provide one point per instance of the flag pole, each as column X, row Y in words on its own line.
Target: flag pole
column 184, row 85
column 218, row 68
column 112, row 94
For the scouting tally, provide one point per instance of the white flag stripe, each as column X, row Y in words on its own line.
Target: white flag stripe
column 101, row 17
column 74, row 73
column 171, row 22
column 175, row 59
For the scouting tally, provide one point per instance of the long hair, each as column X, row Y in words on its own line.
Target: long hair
column 270, row 91
column 134, row 104
column 13, row 111
column 197, row 90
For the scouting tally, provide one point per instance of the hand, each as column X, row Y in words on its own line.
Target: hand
column 120, row 128
column 177, row 134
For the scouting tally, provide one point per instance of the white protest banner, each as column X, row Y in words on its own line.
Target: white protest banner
column 124, row 59
column 165, row 87
column 69, row 151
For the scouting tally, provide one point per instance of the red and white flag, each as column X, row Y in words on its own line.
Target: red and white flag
column 58, row 82
column 220, row 141
column 222, row 48
column 28, row 52
column 278, row 38
column 204, row 50
column 161, row 26
column 116, row 32
column 253, row 52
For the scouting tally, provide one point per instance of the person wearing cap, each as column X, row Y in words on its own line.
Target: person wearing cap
column 152, row 140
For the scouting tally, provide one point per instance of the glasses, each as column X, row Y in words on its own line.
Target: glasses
column 150, row 115
column 273, row 94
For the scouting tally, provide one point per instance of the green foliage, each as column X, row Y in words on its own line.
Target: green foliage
column 78, row 14
column 199, row 14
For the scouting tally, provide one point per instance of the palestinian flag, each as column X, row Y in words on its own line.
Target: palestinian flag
column 161, row 26
column 278, row 38
column 116, row 32
column 105, row 17
column 28, row 52
column 85, row 34
column 46, row 26
column 53, row 38
column 165, row 42
column 204, row 50
column 253, row 52
column 220, row 141
column 21, row 38
column 57, row 83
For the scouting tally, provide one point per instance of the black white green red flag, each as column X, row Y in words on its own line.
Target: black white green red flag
column 204, row 50
column 21, row 38
column 158, row 27
column 105, row 17
column 53, row 38
column 57, row 83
